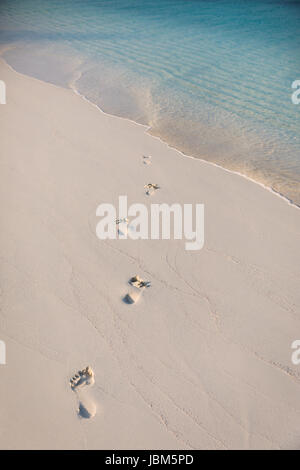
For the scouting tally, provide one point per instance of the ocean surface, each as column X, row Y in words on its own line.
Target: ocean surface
column 211, row 77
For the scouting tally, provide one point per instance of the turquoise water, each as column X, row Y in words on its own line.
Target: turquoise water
column 211, row 77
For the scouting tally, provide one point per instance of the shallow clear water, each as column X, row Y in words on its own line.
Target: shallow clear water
column 211, row 77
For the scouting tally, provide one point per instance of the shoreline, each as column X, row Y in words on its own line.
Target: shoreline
column 148, row 129
column 71, row 86
column 202, row 359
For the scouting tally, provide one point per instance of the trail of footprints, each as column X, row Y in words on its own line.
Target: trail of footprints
column 85, row 378
column 138, row 285
column 81, row 382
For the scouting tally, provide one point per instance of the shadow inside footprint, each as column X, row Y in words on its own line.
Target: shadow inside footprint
column 83, row 412
column 128, row 299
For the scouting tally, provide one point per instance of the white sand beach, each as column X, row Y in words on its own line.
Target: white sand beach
column 203, row 359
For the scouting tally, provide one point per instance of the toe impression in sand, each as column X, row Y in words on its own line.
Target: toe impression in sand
column 83, row 377
column 136, row 281
column 150, row 188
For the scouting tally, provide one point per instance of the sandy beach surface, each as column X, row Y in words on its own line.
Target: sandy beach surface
column 203, row 359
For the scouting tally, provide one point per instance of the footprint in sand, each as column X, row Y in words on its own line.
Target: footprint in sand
column 122, row 226
column 150, row 188
column 80, row 384
column 147, row 160
column 138, row 287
